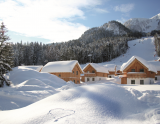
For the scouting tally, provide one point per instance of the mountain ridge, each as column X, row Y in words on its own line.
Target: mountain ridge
column 144, row 24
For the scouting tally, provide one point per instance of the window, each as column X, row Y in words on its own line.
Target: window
column 87, row 79
column 132, row 81
column 132, row 70
column 155, row 78
column 59, row 75
column 93, row 71
column 73, row 72
column 74, row 81
column 141, row 81
column 92, row 79
column 77, row 72
column 87, row 71
column 141, row 70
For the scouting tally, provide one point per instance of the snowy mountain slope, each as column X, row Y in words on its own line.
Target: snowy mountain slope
column 109, row 29
column 156, row 16
column 143, row 24
column 116, row 27
column 143, row 48
column 97, row 103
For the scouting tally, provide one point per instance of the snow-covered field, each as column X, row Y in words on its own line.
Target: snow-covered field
column 37, row 98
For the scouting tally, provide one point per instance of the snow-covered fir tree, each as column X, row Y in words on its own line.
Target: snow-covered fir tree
column 6, row 59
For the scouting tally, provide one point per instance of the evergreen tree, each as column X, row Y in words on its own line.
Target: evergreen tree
column 6, row 60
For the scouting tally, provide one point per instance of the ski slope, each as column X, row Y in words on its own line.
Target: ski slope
column 92, row 102
column 143, row 48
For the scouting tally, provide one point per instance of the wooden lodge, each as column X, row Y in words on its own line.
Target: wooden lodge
column 137, row 71
column 66, row 70
column 94, row 72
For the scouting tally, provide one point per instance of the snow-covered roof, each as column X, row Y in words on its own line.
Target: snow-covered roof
column 60, row 66
column 98, row 67
column 144, row 62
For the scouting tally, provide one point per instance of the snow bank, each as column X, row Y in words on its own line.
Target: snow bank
column 94, row 103
column 28, row 87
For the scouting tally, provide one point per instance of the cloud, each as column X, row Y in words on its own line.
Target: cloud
column 99, row 10
column 124, row 8
column 49, row 19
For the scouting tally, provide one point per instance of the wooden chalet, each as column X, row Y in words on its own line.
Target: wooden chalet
column 137, row 71
column 94, row 72
column 66, row 70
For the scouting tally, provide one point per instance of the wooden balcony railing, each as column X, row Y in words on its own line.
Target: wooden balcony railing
column 136, row 75
column 89, row 74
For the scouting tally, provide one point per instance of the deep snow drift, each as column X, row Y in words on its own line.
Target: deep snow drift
column 92, row 102
column 28, row 86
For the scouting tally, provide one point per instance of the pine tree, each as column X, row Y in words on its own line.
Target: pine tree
column 5, row 56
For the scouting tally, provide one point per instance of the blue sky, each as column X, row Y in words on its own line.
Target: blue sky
column 50, row 21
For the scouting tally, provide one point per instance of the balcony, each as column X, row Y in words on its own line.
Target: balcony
column 90, row 74
column 136, row 75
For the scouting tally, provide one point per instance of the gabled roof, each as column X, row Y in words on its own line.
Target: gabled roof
column 97, row 67
column 144, row 62
column 61, row 66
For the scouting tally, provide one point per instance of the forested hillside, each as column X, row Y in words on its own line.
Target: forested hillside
column 104, row 43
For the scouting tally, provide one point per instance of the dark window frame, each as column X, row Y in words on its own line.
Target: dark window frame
column 155, row 78
column 87, row 79
column 142, row 82
column 76, row 72
column 132, row 81
column 93, row 79
column 141, row 70
column 132, row 70
column 59, row 75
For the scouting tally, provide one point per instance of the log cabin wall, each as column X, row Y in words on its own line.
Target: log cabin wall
column 124, row 80
column 90, row 69
column 83, row 78
column 111, row 73
column 158, row 73
column 70, row 76
column 100, row 74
